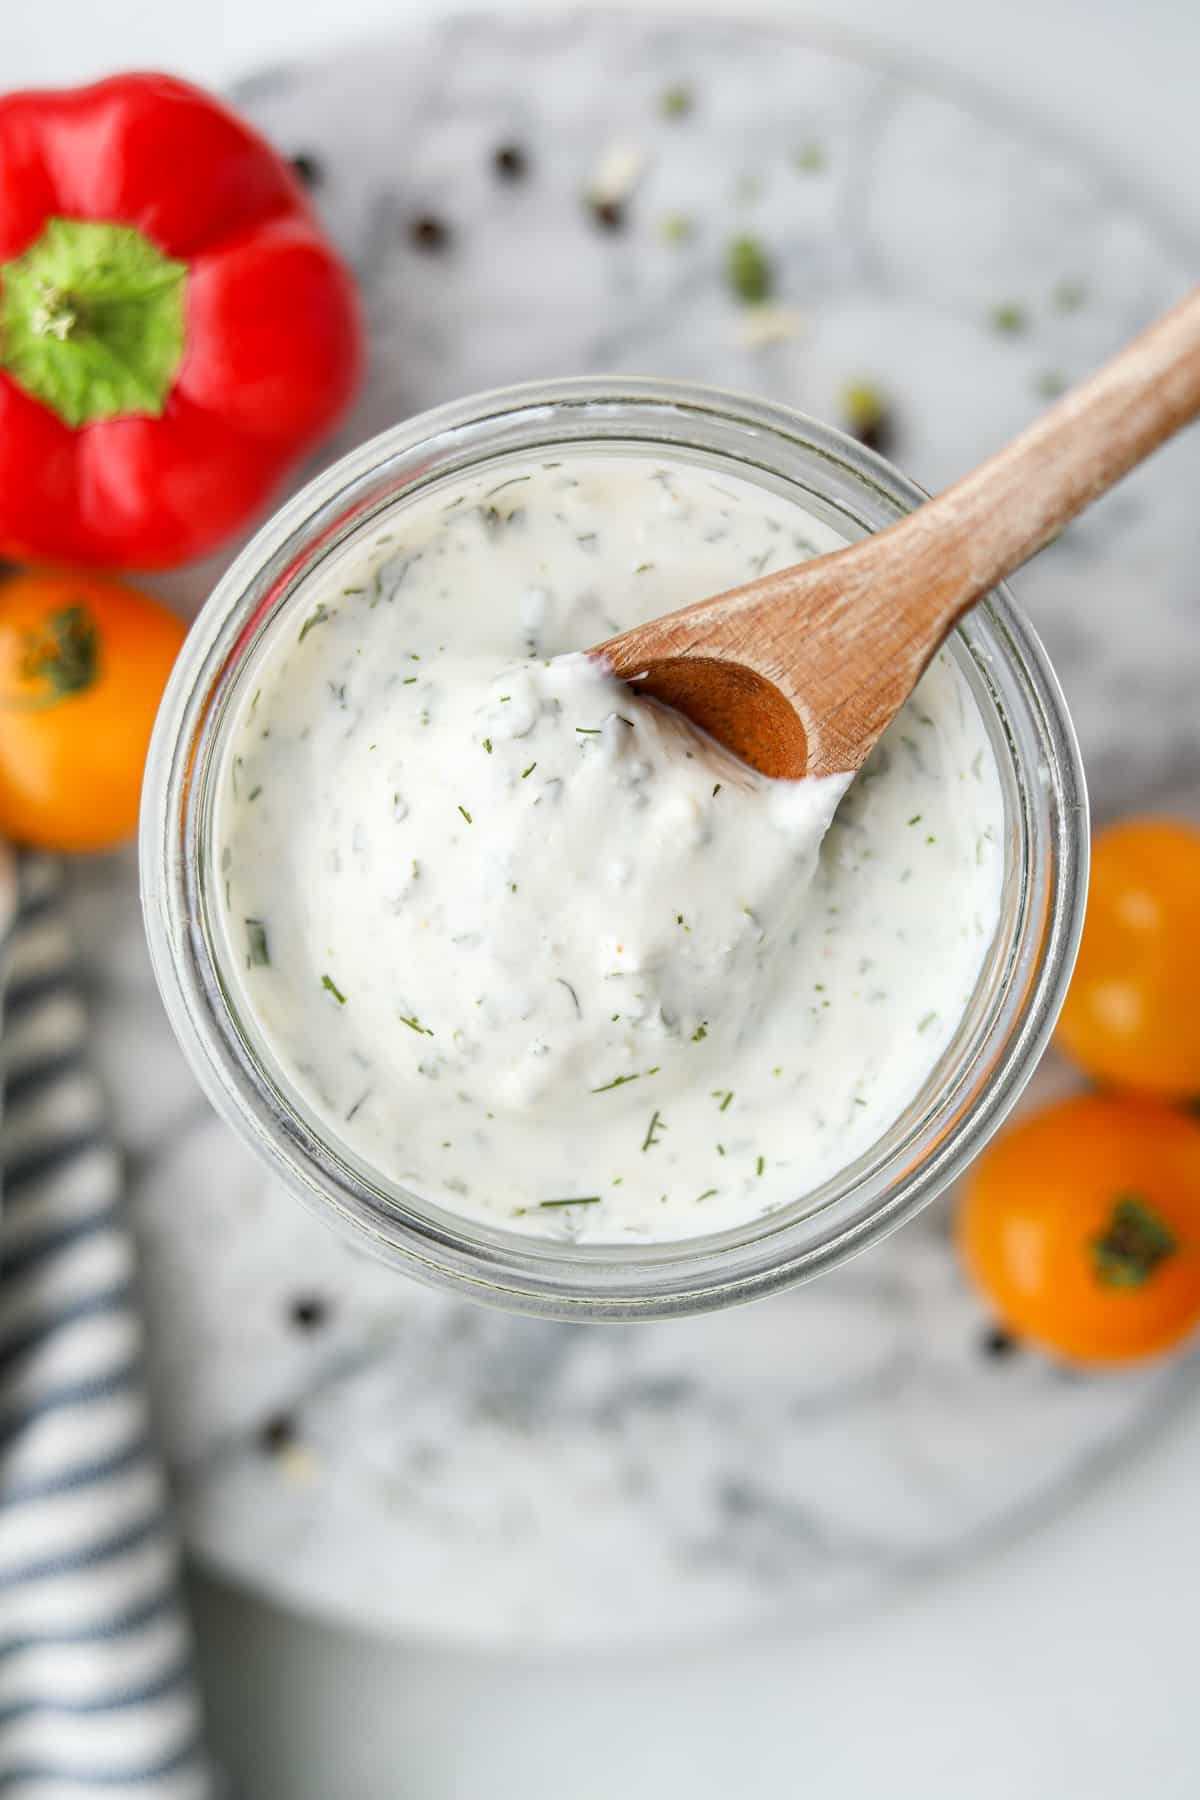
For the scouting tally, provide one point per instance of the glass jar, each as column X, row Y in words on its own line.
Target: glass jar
column 982, row 1071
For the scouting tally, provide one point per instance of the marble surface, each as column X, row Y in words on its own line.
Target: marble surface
column 437, row 1469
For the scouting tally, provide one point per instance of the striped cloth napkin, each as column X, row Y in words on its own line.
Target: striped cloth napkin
column 96, row 1685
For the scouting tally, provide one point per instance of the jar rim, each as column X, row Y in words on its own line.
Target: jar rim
column 1008, row 667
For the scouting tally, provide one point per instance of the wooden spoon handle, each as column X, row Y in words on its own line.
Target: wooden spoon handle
column 978, row 531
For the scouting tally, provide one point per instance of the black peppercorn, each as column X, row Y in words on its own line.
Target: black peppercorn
column 998, row 1342
column 429, row 232
column 608, row 213
column 308, row 1313
column 510, row 162
column 308, row 169
column 277, row 1433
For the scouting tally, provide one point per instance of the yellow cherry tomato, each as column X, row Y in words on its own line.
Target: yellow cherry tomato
column 1081, row 1227
column 1132, row 1016
column 83, row 663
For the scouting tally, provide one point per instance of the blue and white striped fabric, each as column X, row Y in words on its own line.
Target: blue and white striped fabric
column 96, row 1686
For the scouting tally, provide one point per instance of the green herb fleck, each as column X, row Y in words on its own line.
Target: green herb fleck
column 657, row 1124
column 1069, row 295
column 414, row 1024
column 716, row 790
column 575, row 1200
column 675, row 228
column 867, row 413
column 331, row 987
column 759, row 1166
column 927, row 1021
column 676, row 101
column 810, row 158
column 1050, row 384
column 409, row 681
column 466, row 815
column 724, row 1095
column 254, row 793
column 700, row 1033
column 487, row 744
column 616, row 1082
column 526, row 773
column 256, row 940
column 706, row 1195
column 320, row 615
column 1008, row 318
column 748, row 271
column 589, row 730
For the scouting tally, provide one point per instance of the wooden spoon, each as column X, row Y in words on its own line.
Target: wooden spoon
column 800, row 671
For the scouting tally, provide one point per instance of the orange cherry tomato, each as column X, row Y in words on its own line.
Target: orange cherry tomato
column 83, row 662
column 1132, row 1016
column 1081, row 1226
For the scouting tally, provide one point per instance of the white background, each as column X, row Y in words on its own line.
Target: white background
column 1063, row 1669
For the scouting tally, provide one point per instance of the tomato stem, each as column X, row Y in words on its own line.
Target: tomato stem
column 1132, row 1245
column 64, row 655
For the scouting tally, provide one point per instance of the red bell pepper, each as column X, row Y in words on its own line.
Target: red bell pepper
column 175, row 330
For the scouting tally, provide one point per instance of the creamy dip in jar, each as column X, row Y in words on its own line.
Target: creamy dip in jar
column 533, row 949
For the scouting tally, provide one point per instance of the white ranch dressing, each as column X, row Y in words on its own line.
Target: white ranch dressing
column 530, row 947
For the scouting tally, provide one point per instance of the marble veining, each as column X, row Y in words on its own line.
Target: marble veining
column 351, row 1443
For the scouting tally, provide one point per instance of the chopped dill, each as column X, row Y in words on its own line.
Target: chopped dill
column 320, row 615
column 657, row 1124
column 466, row 815
column 331, row 987
column 616, row 1082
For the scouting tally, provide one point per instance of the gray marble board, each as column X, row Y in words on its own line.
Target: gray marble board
column 349, row 1443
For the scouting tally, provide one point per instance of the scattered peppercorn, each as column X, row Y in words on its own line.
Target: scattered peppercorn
column 868, row 416
column 998, row 1342
column 511, row 163
column 308, row 169
column 1008, row 317
column 309, row 1312
column 676, row 102
column 608, row 213
column 428, row 232
column 277, row 1433
column 748, row 270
